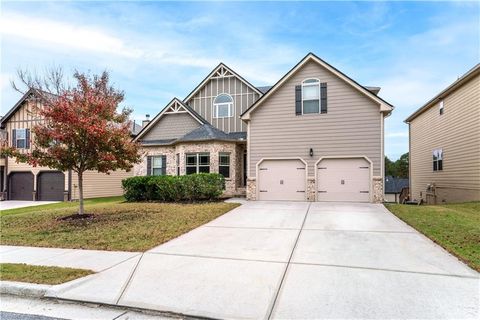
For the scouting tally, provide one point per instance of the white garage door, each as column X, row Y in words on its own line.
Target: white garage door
column 343, row 180
column 281, row 180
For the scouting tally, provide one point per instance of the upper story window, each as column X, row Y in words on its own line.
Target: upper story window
column 311, row 96
column 21, row 138
column 440, row 107
column 223, row 106
column 437, row 160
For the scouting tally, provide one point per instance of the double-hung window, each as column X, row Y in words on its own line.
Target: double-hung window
column 223, row 106
column 158, row 166
column 20, row 138
column 437, row 160
column 197, row 163
column 224, row 164
column 311, row 96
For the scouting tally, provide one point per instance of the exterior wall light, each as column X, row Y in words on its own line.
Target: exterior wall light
column 311, row 152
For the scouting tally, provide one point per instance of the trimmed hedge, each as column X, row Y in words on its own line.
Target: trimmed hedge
column 193, row 187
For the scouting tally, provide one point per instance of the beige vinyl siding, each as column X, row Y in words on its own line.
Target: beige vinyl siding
column 171, row 126
column 457, row 132
column 98, row 184
column 352, row 126
column 243, row 97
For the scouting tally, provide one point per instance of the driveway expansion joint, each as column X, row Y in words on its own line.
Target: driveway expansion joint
column 214, row 257
column 129, row 279
column 277, row 293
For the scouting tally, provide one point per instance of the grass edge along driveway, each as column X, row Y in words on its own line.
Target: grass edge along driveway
column 40, row 274
column 117, row 225
column 455, row 227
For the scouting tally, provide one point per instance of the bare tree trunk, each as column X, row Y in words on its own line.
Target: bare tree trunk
column 80, row 192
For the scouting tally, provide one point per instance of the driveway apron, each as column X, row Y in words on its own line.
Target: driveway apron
column 291, row 260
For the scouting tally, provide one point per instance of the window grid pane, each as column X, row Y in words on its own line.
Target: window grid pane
column 311, row 106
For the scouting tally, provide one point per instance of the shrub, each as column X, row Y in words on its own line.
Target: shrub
column 193, row 187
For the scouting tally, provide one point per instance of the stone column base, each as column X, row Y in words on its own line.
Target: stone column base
column 311, row 189
column 377, row 183
column 251, row 189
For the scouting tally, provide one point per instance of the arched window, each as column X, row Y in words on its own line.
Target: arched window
column 311, row 96
column 223, row 106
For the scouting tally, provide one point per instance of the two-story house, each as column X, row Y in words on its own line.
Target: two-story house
column 21, row 181
column 316, row 135
column 445, row 144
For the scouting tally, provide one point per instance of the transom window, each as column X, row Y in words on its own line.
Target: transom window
column 437, row 160
column 224, row 164
column 311, row 96
column 197, row 163
column 223, row 106
column 21, row 138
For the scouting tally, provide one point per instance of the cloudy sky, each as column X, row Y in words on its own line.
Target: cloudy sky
column 159, row 50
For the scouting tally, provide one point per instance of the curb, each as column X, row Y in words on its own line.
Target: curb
column 23, row 289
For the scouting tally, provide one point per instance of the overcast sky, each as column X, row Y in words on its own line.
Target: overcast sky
column 156, row 51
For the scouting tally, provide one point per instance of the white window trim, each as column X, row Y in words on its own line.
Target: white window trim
column 317, row 83
column 217, row 105
column 24, row 139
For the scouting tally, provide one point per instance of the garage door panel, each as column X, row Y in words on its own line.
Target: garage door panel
column 20, row 186
column 51, row 186
column 281, row 180
column 343, row 180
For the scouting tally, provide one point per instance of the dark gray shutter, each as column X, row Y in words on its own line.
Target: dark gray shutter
column 298, row 100
column 27, row 138
column 14, row 138
column 323, row 97
column 149, row 165
column 164, row 165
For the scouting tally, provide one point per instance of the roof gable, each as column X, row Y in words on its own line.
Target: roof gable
column 175, row 106
column 384, row 106
column 221, row 71
column 15, row 108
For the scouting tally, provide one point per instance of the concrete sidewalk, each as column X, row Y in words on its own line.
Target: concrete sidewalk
column 291, row 260
column 95, row 260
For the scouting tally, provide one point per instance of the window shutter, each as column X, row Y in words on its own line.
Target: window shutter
column 164, row 165
column 27, row 138
column 298, row 100
column 323, row 97
column 149, row 165
column 14, row 138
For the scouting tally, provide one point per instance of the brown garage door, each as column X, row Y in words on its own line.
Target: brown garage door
column 343, row 180
column 20, row 186
column 281, row 180
column 51, row 186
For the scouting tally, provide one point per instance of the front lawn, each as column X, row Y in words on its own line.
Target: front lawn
column 40, row 274
column 456, row 227
column 117, row 225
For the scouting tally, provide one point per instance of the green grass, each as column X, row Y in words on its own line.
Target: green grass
column 40, row 274
column 61, row 205
column 117, row 225
column 456, row 227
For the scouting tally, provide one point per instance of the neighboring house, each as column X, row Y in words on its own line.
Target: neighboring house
column 21, row 181
column 393, row 188
column 445, row 144
column 315, row 135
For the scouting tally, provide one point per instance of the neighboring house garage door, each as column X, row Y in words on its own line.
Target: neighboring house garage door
column 343, row 180
column 281, row 180
column 20, row 186
column 51, row 186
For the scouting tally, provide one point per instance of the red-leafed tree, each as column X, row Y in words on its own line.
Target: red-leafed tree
column 80, row 127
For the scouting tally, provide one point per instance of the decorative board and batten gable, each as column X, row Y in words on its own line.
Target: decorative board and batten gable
column 223, row 81
column 174, row 121
column 349, row 121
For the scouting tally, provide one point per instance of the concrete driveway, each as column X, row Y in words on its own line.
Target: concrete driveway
column 288, row 260
column 15, row 204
